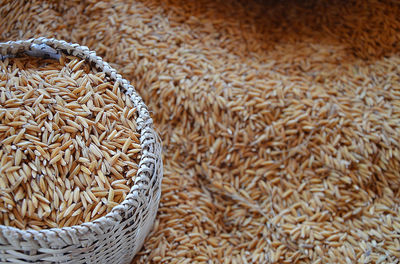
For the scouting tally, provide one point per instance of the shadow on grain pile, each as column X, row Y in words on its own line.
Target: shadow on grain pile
column 271, row 23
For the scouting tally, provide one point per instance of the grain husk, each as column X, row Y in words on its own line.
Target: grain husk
column 280, row 121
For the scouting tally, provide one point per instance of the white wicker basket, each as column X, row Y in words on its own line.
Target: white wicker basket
column 119, row 235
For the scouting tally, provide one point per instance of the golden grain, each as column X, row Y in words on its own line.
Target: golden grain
column 53, row 144
column 263, row 106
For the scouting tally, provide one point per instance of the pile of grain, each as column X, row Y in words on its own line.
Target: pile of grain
column 280, row 120
column 68, row 146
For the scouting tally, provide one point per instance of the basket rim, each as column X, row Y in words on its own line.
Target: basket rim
column 144, row 125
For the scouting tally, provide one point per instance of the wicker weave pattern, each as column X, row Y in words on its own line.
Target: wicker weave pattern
column 116, row 237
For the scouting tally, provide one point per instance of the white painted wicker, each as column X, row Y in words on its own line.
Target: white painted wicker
column 119, row 235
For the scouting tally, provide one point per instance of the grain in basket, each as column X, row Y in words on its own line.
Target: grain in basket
column 68, row 145
column 128, row 157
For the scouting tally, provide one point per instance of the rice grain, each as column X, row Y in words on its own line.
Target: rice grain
column 49, row 162
column 279, row 121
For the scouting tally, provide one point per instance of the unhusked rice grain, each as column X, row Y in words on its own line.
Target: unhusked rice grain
column 279, row 119
column 68, row 140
